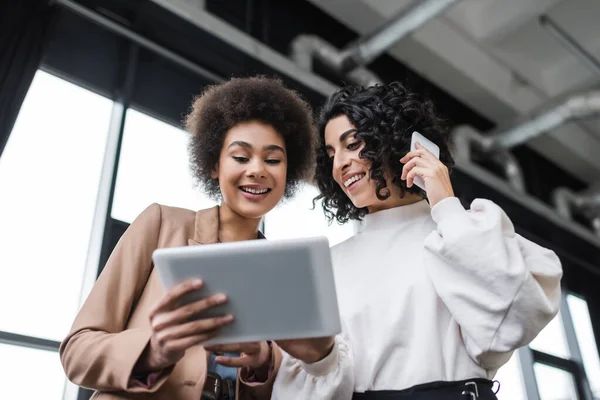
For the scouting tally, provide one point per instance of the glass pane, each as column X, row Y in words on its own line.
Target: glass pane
column 511, row 380
column 295, row 218
column 49, row 175
column 30, row 374
column 153, row 168
column 554, row 383
column 587, row 343
column 552, row 339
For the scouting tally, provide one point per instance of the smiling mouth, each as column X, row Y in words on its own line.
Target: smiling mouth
column 254, row 191
column 350, row 181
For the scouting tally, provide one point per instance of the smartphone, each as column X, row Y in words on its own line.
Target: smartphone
column 429, row 145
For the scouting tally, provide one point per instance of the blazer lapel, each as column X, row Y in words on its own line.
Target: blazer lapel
column 206, row 231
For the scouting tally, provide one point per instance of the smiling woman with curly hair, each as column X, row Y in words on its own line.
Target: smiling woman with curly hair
column 433, row 298
column 251, row 142
column 384, row 118
column 221, row 107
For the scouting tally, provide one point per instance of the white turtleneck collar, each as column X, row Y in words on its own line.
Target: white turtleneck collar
column 397, row 216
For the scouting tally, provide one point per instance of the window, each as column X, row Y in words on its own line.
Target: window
column 587, row 343
column 21, row 366
column 554, row 383
column 153, row 168
column 295, row 218
column 552, row 339
column 49, row 175
column 511, row 380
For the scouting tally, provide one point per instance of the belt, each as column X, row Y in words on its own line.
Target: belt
column 215, row 388
column 472, row 389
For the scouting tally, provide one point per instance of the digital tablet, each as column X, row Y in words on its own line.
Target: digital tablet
column 277, row 289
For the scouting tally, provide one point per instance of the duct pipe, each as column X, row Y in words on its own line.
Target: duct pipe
column 596, row 225
column 588, row 203
column 574, row 107
column 590, row 199
column 411, row 18
column 465, row 136
column 586, row 200
column 364, row 77
column 306, row 48
column 564, row 199
column 511, row 168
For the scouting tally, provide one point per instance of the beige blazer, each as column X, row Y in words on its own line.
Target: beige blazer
column 113, row 328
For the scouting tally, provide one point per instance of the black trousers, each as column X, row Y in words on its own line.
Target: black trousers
column 471, row 389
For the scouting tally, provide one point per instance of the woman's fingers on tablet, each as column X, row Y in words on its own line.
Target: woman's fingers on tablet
column 192, row 329
column 253, row 354
column 181, row 345
column 236, row 362
column 208, row 324
column 248, row 348
column 160, row 320
column 190, row 311
column 171, row 299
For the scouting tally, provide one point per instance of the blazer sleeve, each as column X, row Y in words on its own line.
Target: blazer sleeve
column 261, row 390
column 99, row 352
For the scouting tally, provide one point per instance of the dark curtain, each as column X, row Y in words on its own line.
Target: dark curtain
column 24, row 29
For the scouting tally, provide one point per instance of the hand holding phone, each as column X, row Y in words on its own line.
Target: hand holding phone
column 422, row 166
column 427, row 144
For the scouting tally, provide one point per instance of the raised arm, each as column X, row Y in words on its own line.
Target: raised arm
column 501, row 288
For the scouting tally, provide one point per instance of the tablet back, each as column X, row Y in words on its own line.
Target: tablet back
column 280, row 289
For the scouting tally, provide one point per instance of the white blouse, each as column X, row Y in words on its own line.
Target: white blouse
column 429, row 295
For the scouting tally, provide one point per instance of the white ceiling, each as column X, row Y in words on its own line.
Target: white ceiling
column 496, row 57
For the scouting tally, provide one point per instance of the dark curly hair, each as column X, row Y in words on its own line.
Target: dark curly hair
column 222, row 106
column 385, row 117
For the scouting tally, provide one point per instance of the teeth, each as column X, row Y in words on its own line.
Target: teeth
column 353, row 179
column 255, row 191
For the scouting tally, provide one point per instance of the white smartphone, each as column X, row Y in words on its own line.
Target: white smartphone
column 429, row 145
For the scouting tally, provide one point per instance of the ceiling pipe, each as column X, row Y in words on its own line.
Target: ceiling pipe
column 596, row 225
column 364, row 77
column 568, row 202
column 307, row 48
column 565, row 201
column 578, row 106
column 465, row 137
column 350, row 61
column 408, row 20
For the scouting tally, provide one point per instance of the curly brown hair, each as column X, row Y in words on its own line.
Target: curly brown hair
column 220, row 107
column 385, row 117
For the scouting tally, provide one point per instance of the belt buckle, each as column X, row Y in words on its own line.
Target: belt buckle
column 473, row 395
column 213, row 387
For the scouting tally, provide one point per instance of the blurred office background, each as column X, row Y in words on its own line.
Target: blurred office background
column 92, row 94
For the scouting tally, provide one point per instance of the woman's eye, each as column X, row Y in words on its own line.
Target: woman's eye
column 241, row 160
column 353, row 145
column 273, row 162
